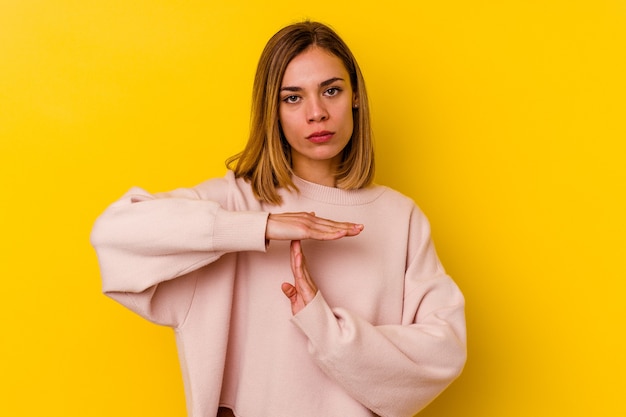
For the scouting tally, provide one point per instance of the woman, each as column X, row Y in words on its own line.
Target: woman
column 368, row 323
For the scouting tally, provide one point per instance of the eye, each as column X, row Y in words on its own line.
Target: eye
column 291, row 99
column 332, row 91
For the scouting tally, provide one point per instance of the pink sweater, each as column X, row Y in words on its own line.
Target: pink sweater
column 384, row 335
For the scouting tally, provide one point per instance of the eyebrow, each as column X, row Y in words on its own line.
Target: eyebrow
column 322, row 84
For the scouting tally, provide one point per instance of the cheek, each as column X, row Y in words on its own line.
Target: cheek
column 283, row 118
column 288, row 127
column 289, row 121
column 348, row 119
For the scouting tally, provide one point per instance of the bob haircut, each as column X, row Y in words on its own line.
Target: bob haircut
column 266, row 160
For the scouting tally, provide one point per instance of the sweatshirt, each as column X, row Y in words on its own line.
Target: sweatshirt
column 384, row 335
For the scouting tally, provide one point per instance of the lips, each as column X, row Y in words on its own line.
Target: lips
column 320, row 137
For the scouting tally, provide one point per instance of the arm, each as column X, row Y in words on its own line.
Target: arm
column 144, row 241
column 394, row 370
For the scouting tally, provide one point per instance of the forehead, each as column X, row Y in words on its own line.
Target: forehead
column 314, row 65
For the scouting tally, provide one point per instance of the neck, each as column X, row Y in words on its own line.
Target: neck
column 318, row 172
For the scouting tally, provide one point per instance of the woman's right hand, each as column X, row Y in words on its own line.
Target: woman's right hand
column 300, row 226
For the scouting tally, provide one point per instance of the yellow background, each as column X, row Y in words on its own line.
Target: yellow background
column 504, row 120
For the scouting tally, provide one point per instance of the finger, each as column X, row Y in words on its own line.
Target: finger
column 320, row 223
column 291, row 293
column 298, row 260
column 295, row 247
column 305, row 286
column 327, row 233
column 324, row 229
column 289, row 290
column 323, row 222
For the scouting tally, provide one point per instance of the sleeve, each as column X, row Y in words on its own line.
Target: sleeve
column 144, row 241
column 395, row 370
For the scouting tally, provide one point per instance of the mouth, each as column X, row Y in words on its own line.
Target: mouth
column 320, row 137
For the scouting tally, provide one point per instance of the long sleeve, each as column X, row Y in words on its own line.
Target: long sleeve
column 385, row 334
column 144, row 241
column 395, row 370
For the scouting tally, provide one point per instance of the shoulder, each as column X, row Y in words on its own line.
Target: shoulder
column 402, row 205
column 229, row 191
column 389, row 195
column 215, row 188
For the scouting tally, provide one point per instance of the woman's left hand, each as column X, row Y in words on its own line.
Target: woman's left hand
column 303, row 289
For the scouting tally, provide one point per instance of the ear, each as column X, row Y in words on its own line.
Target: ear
column 355, row 100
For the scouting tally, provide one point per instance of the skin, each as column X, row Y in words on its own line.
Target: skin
column 316, row 96
column 303, row 290
column 315, row 113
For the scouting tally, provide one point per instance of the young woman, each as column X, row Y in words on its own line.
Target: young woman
column 367, row 323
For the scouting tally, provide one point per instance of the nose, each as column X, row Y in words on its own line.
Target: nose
column 316, row 110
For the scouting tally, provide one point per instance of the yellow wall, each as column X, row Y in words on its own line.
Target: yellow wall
column 504, row 120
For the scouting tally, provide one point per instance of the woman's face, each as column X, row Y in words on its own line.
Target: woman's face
column 315, row 111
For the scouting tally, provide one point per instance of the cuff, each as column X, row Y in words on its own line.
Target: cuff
column 317, row 321
column 239, row 231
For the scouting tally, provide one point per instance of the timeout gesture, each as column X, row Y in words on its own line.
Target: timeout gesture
column 297, row 227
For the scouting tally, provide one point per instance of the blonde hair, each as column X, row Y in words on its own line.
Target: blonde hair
column 266, row 160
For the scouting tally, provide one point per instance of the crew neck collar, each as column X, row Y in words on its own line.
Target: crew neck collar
column 333, row 195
